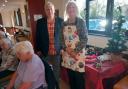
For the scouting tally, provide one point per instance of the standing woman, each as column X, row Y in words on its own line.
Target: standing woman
column 74, row 40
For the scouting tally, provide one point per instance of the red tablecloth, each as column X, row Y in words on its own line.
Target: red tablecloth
column 94, row 76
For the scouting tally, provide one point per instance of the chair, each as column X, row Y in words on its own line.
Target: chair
column 5, row 80
column 122, row 84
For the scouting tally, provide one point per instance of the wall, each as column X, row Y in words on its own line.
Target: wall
column 97, row 41
column 6, row 17
column 35, row 7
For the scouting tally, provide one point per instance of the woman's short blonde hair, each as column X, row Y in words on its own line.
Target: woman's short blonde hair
column 66, row 8
column 23, row 47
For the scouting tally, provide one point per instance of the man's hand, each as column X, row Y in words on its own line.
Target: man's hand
column 39, row 53
column 8, row 87
column 12, row 81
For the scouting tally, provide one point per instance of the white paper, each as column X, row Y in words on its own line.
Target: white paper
column 37, row 16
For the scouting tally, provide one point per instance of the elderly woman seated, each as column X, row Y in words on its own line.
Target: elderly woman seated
column 2, row 35
column 30, row 73
column 9, row 61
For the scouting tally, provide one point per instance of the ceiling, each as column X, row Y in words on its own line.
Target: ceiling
column 11, row 4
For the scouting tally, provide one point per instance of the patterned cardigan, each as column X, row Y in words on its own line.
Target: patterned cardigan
column 82, row 32
column 9, row 60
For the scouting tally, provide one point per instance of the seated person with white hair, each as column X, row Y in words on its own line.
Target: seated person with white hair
column 9, row 60
column 30, row 73
column 2, row 35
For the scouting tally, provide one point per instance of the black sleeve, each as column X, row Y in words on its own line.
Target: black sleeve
column 82, row 36
column 37, row 37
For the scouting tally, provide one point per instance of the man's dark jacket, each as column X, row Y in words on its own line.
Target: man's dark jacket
column 42, row 35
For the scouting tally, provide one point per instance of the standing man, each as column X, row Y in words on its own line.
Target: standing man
column 48, row 38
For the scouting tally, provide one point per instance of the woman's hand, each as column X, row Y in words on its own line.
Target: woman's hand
column 72, row 53
column 69, row 50
column 12, row 81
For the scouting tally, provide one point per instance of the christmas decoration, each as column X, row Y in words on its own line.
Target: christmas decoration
column 116, row 43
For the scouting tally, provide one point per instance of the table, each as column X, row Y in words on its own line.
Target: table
column 94, row 77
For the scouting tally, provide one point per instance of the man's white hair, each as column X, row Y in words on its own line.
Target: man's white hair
column 23, row 47
column 49, row 4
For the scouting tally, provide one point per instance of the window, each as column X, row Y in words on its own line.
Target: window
column 97, row 15
column 124, row 6
column 81, row 7
column 101, row 15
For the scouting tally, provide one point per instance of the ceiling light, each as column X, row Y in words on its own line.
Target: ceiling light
column 6, row 0
column 3, row 5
